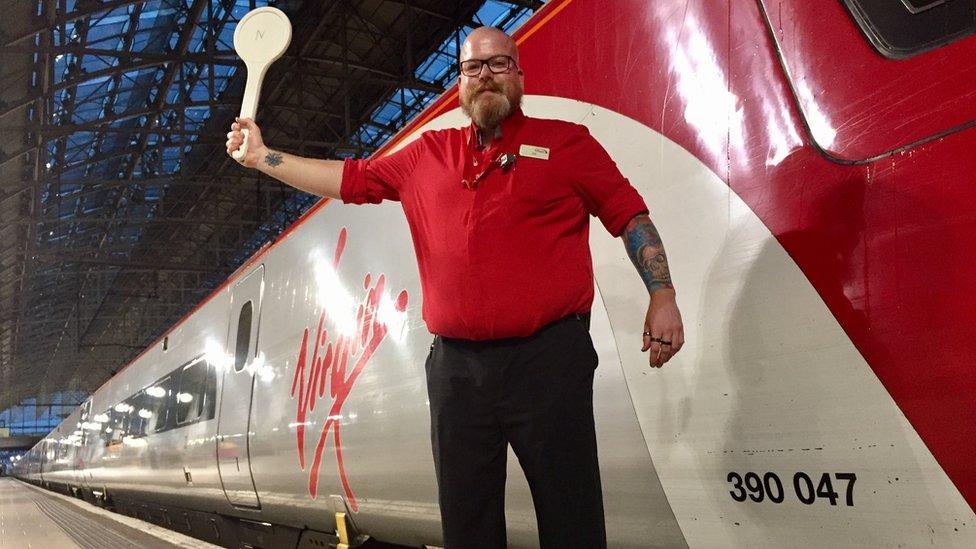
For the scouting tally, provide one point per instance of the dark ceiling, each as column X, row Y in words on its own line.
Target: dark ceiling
column 119, row 209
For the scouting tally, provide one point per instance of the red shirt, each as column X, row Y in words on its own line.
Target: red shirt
column 507, row 253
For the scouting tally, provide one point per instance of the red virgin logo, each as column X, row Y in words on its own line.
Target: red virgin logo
column 328, row 367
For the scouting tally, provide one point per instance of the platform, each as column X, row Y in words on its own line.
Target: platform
column 34, row 518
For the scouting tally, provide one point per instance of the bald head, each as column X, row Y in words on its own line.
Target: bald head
column 489, row 39
column 494, row 92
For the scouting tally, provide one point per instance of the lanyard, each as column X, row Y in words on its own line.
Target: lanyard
column 504, row 161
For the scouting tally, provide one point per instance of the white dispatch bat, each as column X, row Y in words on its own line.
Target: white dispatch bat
column 260, row 38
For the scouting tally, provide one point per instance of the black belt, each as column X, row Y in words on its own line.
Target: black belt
column 575, row 317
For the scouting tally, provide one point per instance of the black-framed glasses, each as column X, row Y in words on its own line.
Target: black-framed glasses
column 497, row 64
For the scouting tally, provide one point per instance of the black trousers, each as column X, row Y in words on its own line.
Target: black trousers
column 535, row 393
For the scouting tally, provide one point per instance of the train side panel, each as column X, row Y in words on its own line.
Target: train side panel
column 781, row 260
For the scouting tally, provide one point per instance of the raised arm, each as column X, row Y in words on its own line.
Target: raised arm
column 663, row 330
column 319, row 177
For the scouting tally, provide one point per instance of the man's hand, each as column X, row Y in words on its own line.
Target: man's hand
column 256, row 151
column 664, row 333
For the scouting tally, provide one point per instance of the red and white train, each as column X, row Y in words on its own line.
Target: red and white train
column 810, row 166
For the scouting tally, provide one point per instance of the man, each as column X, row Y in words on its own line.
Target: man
column 498, row 212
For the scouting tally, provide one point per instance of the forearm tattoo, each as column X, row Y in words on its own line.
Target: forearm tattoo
column 646, row 251
column 273, row 159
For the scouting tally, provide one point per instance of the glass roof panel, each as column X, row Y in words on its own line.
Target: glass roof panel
column 95, row 63
column 107, row 30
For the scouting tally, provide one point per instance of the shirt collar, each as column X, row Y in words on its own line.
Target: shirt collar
column 507, row 127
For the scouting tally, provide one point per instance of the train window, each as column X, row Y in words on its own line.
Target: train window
column 153, row 406
column 137, row 414
column 62, row 451
column 901, row 29
column 168, row 414
column 243, row 337
column 118, row 422
column 134, row 414
column 85, row 424
column 192, row 393
column 99, row 423
column 210, row 397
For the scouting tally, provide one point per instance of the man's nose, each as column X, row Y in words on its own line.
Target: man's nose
column 485, row 73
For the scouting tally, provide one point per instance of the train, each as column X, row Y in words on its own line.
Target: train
column 811, row 169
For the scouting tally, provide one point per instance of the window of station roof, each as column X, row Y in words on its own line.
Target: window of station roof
column 89, row 90
column 33, row 417
column 107, row 73
column 440, row 68
column 901, row 29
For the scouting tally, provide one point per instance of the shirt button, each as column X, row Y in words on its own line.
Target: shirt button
column 475, row 161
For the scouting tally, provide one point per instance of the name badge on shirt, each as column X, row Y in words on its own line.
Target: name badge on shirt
column 532, row 151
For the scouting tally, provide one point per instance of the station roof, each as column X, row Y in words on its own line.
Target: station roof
column 119, row 209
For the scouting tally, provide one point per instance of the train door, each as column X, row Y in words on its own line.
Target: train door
column 233, row 428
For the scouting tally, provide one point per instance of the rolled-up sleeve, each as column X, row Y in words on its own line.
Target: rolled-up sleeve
column 606, row 193
column 374, row 180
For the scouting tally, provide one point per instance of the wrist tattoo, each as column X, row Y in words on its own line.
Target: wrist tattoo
column 273, row 159
column 646, row 251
